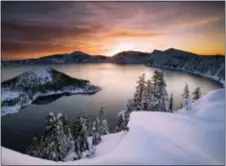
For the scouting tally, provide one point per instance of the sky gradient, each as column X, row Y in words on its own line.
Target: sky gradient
column 35, row 29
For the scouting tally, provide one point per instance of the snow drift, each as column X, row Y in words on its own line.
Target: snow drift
column 192, row 137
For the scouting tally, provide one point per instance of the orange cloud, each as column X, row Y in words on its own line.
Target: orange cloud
column 121, row 34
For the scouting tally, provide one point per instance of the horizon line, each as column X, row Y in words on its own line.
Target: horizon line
column 45, row 56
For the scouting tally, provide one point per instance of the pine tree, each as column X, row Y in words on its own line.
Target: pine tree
column 67, row 141
column 55, row 143
column 103, row 126
column 130, row 105
column 126, row 120
column 159, row 95
column 148, row 95
column 186, row 96
column 119, row 122
column 34, row 149
column 80, row 134
column 96, row 131
column 196, row 94
column 171, row 103
column 139, row 95
column 122, row 121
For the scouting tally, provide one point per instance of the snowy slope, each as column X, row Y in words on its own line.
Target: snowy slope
column 194, row 137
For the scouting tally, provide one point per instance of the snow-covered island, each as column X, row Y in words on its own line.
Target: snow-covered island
column 180, row 138
column 22, row 90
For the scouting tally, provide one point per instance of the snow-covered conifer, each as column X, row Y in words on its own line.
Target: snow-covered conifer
column 186, row 96
column 103, row 125
column 96, row 139
column 139, row 95
column 122, row 120
column 149, row 95
column 80, row 134
column 56, row 142
column 196, row 94
column 130, row 105
column 119, row 122
column 159, row 95
column 171, row 102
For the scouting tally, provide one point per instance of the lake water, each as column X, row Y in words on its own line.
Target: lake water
column 118, row 84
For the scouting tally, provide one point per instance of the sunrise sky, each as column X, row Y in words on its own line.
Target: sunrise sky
column 34, row 29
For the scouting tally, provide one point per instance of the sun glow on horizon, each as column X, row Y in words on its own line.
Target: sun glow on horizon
column 126, row 45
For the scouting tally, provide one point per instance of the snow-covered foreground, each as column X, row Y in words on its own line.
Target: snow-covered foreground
column 194, row 137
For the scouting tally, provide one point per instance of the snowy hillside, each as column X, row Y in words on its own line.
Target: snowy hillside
column 194, row 137
column 25, row 88
column 212, row 67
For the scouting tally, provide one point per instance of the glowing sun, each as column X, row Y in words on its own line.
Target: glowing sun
column 119, row 47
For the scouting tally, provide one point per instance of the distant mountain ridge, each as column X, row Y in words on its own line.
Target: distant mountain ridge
column 212, row 67
column 124, row 57
column 207, row 66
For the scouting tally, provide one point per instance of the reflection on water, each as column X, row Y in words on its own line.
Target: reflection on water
column 47, row 99
column 118, row 83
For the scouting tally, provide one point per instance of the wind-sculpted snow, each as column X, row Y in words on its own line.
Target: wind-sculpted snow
column 157, row 138
column 22, row 90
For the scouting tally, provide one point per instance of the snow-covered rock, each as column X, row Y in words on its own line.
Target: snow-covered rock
column 182, row 138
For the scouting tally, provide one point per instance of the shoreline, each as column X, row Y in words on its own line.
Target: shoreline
column 14, row 109
column 212, row 78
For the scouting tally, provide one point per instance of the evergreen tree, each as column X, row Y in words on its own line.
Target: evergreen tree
column 103, row 126
column 126, row 117
column 119, row 122
column 130, row 105
column 159, row 96
column 196, row 94
column 34, row 149
column 96, row 131
column 186, row 96
column 55, row 143
column 148, row 95
column 80, row 134
column 67, row 138
column 171, row 102
column 122, row 121
column 123, row 117
column 139, row 95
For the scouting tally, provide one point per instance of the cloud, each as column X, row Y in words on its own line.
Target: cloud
column 126, row 34
column 31, row 32
column 33, row 39
column 196, row 22
column 45, row 27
